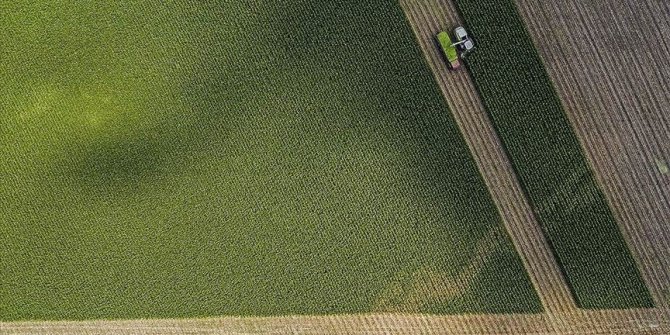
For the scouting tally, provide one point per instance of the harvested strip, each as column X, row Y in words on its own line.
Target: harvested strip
column 549, row 161
column 580, row 322
column 618, row 107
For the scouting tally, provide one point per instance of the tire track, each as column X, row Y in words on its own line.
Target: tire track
column 618, row 107
column 427, row 17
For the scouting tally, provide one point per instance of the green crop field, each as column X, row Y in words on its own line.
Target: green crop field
column 201, row 158
column 549, row 160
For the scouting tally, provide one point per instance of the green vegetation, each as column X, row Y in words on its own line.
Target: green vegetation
column 209, row 158
column 548, row 158
column 447, row 48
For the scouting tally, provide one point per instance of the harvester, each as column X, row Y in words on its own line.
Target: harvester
column 454, row 51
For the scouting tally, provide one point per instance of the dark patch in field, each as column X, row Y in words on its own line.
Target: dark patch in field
column 106, row 166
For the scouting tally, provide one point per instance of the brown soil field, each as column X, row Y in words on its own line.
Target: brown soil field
column 610, row 64
column 427, row 18
column 579, row 322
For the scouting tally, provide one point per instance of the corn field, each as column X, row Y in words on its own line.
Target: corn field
column 250, row 158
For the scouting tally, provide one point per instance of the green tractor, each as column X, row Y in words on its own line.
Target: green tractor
column 453, row 51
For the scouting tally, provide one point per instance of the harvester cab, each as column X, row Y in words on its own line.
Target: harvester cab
column 464, row 43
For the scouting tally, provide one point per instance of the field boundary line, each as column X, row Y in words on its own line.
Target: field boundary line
column 645, row 321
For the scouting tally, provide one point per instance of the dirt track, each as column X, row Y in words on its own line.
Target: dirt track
column 614, row 90
column 427, row 18
column 601, row 322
